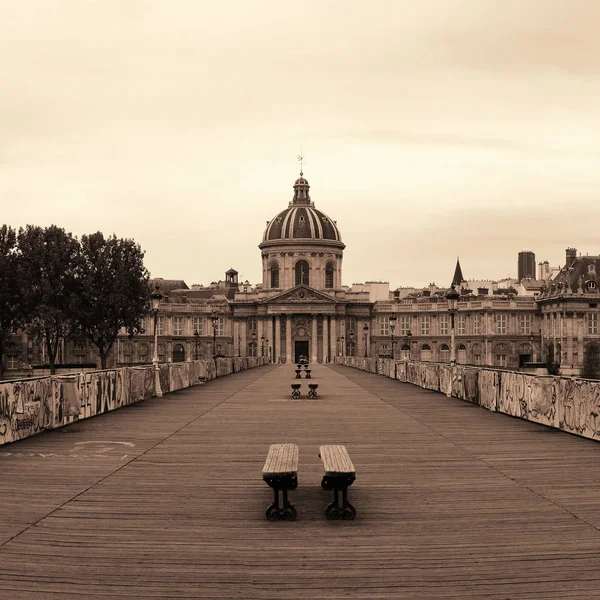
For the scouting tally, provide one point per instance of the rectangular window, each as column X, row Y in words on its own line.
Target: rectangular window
column 221, row 326
column 160, row 326
column 12, row 362
column 461, row 324
column 501, row 360
column 592, row 322
column 251, row 325
column 501, row 324
column 384, row 326
column 425, row 324
column 525, row 322
column 476, row 325
column 404, row 325
column 444, row 325
column 198, row 324
column 142, row 326
column 178, row 326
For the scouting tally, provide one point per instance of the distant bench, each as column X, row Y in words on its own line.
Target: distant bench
column 312, row 390
column 281, row 473
column 339, row 475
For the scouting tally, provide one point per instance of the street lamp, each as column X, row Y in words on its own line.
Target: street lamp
column 392, row 328
column 350, row 341
column 197, row 341
column 268, row 349
column 214, row 317
column 239, row 345
column 254, row 352
column 262, row 345
column 452, row 298
column 155, row 299
column 343, row 347
column 407, row 340
column 366, row 333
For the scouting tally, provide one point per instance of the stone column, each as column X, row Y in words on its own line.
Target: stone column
column 259, row 333
column 314, row 342
column 277, row 346
column 236, row 332
column 325, row 338
column 333, row 333
column 244, row 330
column 288, row 339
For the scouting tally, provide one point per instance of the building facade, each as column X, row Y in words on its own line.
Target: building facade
column 301, row 309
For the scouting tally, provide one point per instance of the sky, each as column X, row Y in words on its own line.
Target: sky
column 430, row 129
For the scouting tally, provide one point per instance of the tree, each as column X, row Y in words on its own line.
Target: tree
column 12, row 310
column 114, row 290
column 591, row 361
column 49, row 259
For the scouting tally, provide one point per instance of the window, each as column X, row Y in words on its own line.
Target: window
column 178, row 326
column 302, row 272
column 461, row 354
column 221, row 326
column 12, row 361
column 161, row 353
column 160, row 326
column 384, row 326
column 425, row 353
column 476, row 320
column 384, row 351
column 143, row 352
column 274, row 275
column 178, row 353
column 444, row 353
column 525, row 322
column 252, row 349
column 501, row 324
column 443, row 324
column 251, row 326
column 501, row 355
column 329, row 283
column 477, row 354
column 198, row 324
column 127, row 352
column 404, row 325
column 405, row 352
column 425, row 324
column 142, row 325
column 591, row 286
column 461, row 324
column 592, row 323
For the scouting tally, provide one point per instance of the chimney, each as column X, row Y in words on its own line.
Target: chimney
column 571, row 254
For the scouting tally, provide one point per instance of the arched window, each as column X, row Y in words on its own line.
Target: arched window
column 477, row 354
column 178, row 353
column 425, row 352
column 384, row 351
column 461, row 354
column 274, row 270
column 444, row 353
column 329, row 276
column 143, row 353
column 161, row 353
column 302, row 272
column 501, row 352
column 405, row 352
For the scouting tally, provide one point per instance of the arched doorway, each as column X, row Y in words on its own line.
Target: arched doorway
column 178, row 353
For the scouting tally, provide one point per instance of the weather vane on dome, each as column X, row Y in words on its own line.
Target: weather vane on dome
column 301, row 160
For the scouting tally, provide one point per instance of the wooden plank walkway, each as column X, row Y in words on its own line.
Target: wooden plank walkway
column 165, row 499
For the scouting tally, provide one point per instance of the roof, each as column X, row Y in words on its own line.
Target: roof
column 166, row 286
column 576, row 276
column 458, row 276
column 301, row 220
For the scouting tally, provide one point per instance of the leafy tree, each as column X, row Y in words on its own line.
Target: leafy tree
column 114, row 290
column 12, row 310
column 591, row 361
column 49, row 259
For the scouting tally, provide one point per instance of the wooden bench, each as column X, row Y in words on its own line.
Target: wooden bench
column 339, row 475
column 312, row 390
column 296, row 389
column 281, row 473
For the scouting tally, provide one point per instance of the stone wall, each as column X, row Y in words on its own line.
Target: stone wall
column 33, row 405
column 566, row 403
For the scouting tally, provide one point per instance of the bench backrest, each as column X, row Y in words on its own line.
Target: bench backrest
column 336, row 460
column 281, row 460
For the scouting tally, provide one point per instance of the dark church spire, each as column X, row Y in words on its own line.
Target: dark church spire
column 458, row 276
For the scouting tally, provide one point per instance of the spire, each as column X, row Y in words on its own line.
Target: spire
column 458, row 276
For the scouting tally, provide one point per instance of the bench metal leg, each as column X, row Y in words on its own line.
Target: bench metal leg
column 312, row 394
column 296, row 393
column 334, row 511
column 284, row 511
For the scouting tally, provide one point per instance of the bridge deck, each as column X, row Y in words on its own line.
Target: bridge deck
column 165, row 499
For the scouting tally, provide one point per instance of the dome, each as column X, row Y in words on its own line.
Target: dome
column 301, row 220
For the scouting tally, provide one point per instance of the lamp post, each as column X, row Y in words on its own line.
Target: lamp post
column 392, row 328
column 155, row 299
column 239, row 345
column 350, row 343
column 268, row 349
column 262, row 345
column 366, row 333
column 343, row 347
column 407, row 340
column 254, row 352
column 197, row 341
column 214, row 317
column 452, row 298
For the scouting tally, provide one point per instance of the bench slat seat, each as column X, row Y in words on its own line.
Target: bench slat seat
column 281, row 460
column 336, row 460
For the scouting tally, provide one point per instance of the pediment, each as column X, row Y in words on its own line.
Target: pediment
column 301, row 294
